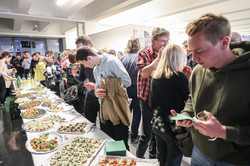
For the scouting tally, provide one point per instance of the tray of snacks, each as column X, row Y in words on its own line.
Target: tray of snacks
column 38, row 89
column 38, row 125
column 29, row 105
column 46, row 104
column 58, row 101
column 44, row 143
column 17, row 90
column 22, row 100
column 42, row 99
column 32, row 98
column 56, row 117
column 75, row 128
column 77, row 151
column 40, row 94
column 102, row 160
column 55, row 108
column 24, row 95
column 33, row 113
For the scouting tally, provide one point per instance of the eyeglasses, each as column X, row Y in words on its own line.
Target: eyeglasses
column 163, row 41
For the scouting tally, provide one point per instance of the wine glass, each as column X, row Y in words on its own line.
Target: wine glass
column 85, row 82
column 203, row 117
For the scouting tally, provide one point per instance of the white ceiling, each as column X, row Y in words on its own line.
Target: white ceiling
column 19, row 17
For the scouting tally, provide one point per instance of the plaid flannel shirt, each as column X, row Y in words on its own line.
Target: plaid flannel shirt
column 144, row 58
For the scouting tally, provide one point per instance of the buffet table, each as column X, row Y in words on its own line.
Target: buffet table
column 65, row 139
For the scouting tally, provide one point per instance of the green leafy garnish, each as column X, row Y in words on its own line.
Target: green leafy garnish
column 45, row 134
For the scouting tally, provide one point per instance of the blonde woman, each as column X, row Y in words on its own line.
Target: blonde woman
column 40, row 69
column 169, row 90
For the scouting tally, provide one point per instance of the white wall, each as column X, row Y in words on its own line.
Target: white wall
column 70, row 37
column 117, row 38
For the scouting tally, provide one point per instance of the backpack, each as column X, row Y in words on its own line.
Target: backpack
column 74, row 92
column 71, row 94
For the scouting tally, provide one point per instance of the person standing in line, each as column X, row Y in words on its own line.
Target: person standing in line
column 169, row 90
column 26, row 63
column 129, row 62
column 119, row 54
column 219, row 88
column 34, row 62
column 86, row 76
column 18, row 65
column 190, row 62
column 108, row 66
column 147, row 62
column 5, row 79
column 39, row 70
column 38, row 54
column 235, row 37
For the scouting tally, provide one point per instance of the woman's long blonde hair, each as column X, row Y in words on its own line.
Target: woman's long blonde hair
column 172, row 61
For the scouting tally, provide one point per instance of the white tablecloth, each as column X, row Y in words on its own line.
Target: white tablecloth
column 72, row 116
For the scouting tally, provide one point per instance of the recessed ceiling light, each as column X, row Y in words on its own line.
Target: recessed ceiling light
column 61, row 2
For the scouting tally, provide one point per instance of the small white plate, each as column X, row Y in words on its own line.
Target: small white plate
column 58, row 137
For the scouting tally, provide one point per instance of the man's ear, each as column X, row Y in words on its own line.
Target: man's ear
column 89, row 58
column 225, row 42
column 153, row 42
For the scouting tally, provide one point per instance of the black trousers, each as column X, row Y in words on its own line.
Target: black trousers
column 91, row 107
column 7, row 92
column 26, row 72
column 168, row 153
column 2, row 90
column 117, row 132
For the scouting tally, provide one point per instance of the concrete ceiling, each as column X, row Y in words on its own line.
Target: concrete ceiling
column 46, row 18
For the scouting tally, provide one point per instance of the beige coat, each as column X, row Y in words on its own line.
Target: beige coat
column 115, row 105
column 4, row 71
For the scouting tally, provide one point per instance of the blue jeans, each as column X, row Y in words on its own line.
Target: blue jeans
column 199, row 158
column 145, row 139
column 132, row 93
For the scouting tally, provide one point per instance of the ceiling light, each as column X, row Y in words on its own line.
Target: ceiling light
column 61, row 2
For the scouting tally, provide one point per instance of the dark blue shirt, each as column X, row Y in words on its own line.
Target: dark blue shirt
column 129, row 62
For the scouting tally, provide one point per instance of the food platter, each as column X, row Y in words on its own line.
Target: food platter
column 33, row 113
column 57, row 108
column 18, row 90
column 38, row 89
column 29, row 105
column 38, row 125
column 24, row 95
column 22, row 100
column 72, row 128
column 42, row 99
column 77, row 151
column 78, row 128
column 41, row 94
column 58, row 101
column 46, row 104
column 44, row 143
column 123, row 161
column 56, row 117
column 54, row 108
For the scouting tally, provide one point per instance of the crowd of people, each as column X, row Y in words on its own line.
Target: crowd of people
column 208, row 74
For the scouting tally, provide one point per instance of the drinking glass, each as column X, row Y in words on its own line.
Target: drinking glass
column 85, row 82
column 203, row 117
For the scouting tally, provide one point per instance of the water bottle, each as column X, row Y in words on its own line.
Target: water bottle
column 18, row 81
